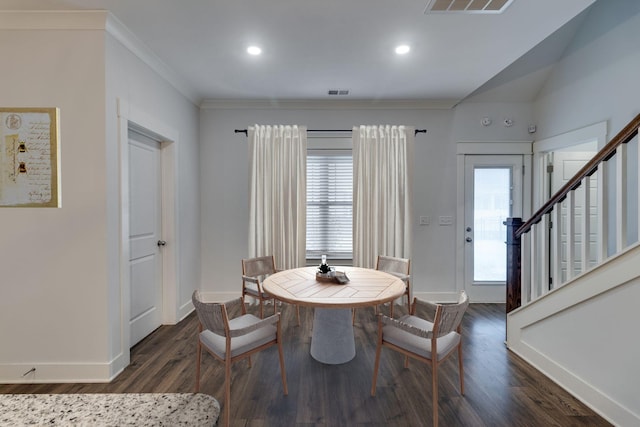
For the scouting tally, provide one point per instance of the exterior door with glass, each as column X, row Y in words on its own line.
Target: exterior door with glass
column 492, row 193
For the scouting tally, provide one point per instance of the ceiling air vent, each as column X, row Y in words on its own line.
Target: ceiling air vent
column 338, row 92
column 467, row 6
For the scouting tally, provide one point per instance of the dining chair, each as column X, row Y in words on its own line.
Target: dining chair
column 399, row 267
column 229, row 340
column 254, row 270
column 430, row 334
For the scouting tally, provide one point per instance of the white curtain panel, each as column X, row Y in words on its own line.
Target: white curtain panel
column 278, row 193
column 382, row 192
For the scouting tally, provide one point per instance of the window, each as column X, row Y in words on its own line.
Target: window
column 329, row 204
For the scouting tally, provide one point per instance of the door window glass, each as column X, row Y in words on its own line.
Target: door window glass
column 492, row 206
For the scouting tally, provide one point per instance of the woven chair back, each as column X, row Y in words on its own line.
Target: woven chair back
column 261, row 266
column 449, row 316
column 393, row 265
column 210, row 314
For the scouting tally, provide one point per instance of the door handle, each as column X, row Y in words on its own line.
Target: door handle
column 161, row 243
column 468, row 239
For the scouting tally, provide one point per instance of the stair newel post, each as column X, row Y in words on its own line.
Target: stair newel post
column 514, row 254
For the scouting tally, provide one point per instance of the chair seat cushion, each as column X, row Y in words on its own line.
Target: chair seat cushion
column 416, row 344
column 217, row 343
column 252, row 289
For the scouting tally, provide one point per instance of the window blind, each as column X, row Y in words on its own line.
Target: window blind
column 329, row 206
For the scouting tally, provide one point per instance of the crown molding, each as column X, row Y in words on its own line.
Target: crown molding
column 321, row 104
column 53, row 19
column 129, row 40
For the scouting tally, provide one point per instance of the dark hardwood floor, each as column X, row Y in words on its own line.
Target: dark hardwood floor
column 501, row 389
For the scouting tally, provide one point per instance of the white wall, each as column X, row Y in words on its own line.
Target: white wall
column 468, row 121
column 133, row 83
column 596, row 79
column 224, row 195
column 60, row 297
column 224, row 178
column 53, row 296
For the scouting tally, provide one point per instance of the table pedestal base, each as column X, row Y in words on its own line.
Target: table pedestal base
column 332, row 339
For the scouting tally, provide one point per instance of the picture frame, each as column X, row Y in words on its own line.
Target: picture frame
column 29, row 157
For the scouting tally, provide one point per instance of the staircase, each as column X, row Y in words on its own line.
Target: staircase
column 573, row 283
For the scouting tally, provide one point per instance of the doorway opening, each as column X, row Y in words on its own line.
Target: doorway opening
column 557, row 160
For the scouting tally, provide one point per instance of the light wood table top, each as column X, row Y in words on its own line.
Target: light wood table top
column 366, row 287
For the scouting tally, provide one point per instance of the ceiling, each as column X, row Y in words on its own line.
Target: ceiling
column 310, row 47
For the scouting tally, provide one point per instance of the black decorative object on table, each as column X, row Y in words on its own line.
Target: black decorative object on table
column 324, row 267
column 328, row 274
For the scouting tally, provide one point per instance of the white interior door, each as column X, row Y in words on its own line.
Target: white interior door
column 493, row 192
column 145, row 225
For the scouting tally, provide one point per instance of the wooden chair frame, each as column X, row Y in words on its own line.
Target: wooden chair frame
column 253, row 271
column 446, row 318
column 207, row 309
column 406, row 272
column 248, row 275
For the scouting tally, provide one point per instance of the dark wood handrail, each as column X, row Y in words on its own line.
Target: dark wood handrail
column 623, row 137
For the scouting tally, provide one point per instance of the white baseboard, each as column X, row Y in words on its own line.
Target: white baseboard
column 46, row 373
column 440, row 297
column 185, row 310
column 596, row 400
column 219, row 296
column 118, row 364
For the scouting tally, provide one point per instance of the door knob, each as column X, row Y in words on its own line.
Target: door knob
column 468, row 239
column 161, row 243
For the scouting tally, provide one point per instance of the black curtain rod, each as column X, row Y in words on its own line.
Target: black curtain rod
column 246, row 132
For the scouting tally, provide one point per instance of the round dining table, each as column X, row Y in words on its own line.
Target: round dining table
column 332, row 339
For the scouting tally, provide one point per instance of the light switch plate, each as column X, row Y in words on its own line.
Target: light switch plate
column 445, row 220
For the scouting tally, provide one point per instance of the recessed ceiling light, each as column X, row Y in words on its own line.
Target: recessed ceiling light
column 402, row 49
column 254, row 50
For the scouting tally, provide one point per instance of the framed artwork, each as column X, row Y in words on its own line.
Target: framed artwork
column 29, row 157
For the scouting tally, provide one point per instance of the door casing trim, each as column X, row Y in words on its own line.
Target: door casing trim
column 463, row 148
column 131, row 116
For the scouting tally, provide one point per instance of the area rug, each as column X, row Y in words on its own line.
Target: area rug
column 101, row 410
